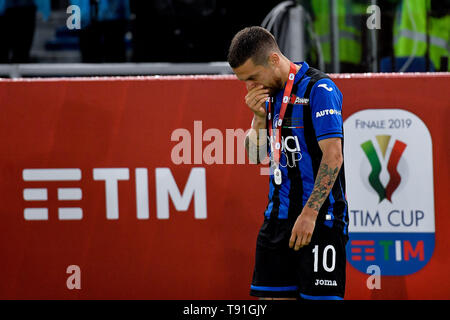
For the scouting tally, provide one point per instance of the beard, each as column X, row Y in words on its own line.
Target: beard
column 274, row 87
column 273, row 91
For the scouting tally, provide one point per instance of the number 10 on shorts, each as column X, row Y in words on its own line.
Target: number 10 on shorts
column 325, row 253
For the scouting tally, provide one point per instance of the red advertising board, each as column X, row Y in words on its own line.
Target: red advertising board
column 141, row 184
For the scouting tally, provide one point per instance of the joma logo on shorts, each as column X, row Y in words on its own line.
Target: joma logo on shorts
column 321, row 282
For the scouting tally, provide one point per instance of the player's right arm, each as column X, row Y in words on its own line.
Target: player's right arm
column 256, row 139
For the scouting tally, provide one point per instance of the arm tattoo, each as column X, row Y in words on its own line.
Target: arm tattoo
column 325, row 179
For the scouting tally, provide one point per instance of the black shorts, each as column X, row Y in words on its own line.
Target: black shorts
column 316, row 271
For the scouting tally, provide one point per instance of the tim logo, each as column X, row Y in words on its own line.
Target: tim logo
column 68, row 202
column 41, row 194
column 396, row 254
column 395, row 250
column 392, row 163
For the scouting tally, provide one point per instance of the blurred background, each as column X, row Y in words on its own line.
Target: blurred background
column 337, row 36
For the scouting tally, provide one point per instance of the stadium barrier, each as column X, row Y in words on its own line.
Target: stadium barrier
column 135, row 188
column 111, row 69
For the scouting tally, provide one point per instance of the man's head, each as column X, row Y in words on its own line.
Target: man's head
column 256, row 59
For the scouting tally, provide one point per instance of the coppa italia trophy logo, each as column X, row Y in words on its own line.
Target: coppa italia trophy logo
column 389, row 174
column 374, row 177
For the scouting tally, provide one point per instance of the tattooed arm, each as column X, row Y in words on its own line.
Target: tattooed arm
column 327, row 173
column 326, row 176
column 256, row 140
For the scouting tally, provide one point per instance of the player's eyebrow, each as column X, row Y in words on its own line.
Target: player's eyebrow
column 251, row 77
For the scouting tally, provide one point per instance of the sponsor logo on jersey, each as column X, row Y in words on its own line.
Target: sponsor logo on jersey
column 290, row 151
column 327, row 112
column 303, row 101
column 275, row 121
column 288, row 143
column 299, row 100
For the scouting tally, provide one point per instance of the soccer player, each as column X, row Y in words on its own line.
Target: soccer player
column 297, row 121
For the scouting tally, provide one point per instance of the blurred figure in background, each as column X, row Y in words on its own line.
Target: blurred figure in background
column 421, row 35
column 17, row 25
column 104, row 24
column 351, row 28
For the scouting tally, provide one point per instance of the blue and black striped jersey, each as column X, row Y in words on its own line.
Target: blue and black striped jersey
column 314, row 113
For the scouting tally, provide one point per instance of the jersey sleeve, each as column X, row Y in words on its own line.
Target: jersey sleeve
column 326, row 109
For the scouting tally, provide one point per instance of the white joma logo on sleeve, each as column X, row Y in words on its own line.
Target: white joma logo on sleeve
column 324, row 85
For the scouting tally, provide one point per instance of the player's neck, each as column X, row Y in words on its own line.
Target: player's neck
column 286, row 69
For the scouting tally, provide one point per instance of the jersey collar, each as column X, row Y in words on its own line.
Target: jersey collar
column 302, row 71
column 297, row 78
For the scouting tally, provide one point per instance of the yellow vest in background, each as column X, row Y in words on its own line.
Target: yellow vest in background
column 410, row 31
column 349, row 15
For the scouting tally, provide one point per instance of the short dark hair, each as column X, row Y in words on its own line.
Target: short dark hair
column 251, row 42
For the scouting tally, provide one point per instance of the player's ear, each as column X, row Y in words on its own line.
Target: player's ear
column 274, row 60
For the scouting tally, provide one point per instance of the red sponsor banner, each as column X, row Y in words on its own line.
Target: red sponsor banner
column 94, row 175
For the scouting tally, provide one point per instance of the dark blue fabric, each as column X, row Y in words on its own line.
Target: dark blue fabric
column 326, row 119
